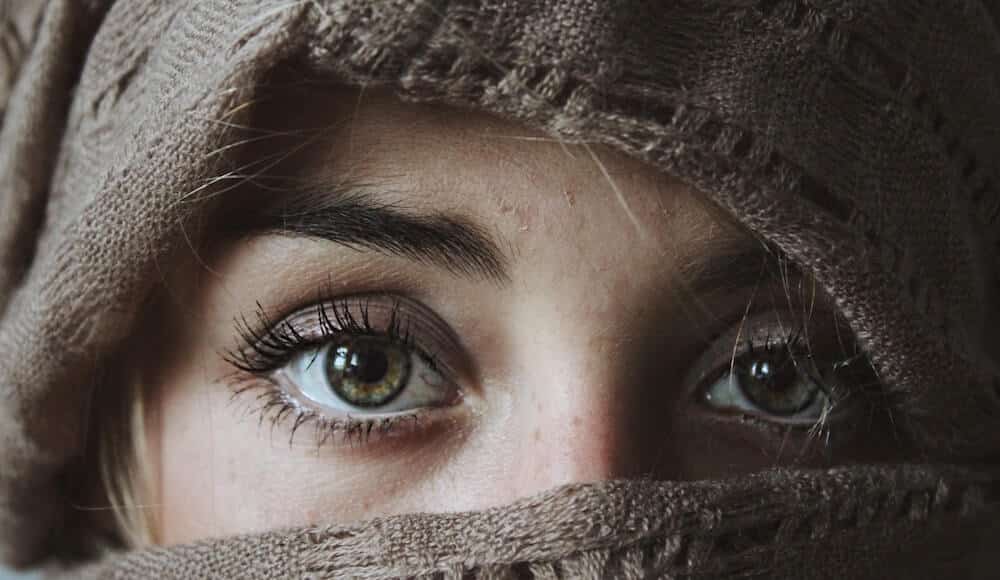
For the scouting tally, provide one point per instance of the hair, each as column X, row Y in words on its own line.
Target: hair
column 123, row 464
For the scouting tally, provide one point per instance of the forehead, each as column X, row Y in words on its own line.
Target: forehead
column 447, row 159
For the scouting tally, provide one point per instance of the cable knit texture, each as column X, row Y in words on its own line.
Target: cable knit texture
column 861, row 137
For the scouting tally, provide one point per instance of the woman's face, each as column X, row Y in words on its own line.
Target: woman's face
column 408, row 308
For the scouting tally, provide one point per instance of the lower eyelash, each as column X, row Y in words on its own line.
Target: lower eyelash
column 793, row 344
column 265, row 345
column 275, row 407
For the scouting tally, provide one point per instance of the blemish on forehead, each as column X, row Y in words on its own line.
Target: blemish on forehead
column 526, row 217
column 525, row 214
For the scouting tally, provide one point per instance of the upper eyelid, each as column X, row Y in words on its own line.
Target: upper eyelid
column 312, row 325
column 328, row 293
column 754, row 327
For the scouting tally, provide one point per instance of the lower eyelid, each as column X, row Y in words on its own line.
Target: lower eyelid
column 281, row 411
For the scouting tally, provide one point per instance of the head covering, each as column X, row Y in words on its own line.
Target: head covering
column 861, row 137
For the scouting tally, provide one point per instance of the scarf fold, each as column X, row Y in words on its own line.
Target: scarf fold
column 906, row 522
column 861, row 137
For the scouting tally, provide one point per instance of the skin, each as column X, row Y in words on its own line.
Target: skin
column 582, row 366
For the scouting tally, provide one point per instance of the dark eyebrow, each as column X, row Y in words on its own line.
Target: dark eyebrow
column 354, row 216
column 357, row 219
column 732, row 266
column 736, row 264
column 738, row 274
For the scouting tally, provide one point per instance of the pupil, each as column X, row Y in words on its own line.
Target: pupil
column 776, row 386
column 364, row 364
column 367, row 372
column 776, row 377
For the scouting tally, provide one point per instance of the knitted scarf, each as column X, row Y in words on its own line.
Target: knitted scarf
column 861, row 137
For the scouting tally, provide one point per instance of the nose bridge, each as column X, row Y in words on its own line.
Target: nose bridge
column 579, row 387
column 574, row 440
column 575, row 421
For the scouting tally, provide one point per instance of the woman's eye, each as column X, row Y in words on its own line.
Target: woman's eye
column 775, row 388
column 352, row 366
column 794, row 378
column 366, row 375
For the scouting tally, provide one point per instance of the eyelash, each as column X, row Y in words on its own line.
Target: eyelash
column 786, row 347
column 791, row 344
column 265, row 346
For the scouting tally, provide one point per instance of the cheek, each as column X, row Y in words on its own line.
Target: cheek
column 221, row 470
column 191, row 466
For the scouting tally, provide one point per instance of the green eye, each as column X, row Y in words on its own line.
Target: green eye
column 770, row 386
column 366, row 376
column 367, row 372
column 777, row 387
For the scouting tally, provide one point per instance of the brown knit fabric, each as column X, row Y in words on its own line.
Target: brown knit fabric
column 859, row 136
column 853, row 523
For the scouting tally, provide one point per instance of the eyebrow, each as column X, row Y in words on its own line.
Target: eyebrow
column 731, row 265
column 740, row 263
column 356, row 218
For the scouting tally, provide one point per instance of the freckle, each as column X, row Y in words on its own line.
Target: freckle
column 538, row 434
column 570, row 197
column 576, row 420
